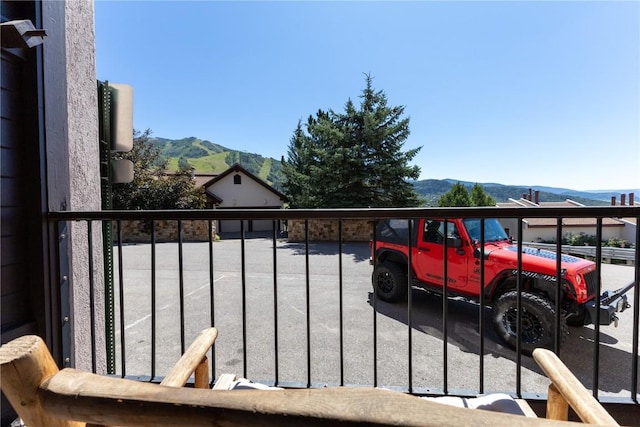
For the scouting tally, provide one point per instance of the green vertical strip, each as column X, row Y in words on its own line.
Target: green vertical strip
column 104, row 106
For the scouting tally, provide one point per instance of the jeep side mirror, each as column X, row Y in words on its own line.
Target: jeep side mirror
column 454, row 242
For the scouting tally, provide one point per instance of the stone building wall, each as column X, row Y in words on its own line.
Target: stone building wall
column 166, row 231
column 353, row 230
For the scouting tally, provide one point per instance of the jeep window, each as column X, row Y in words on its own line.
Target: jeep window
column 493, row 231
column 393, row 231
column 433, row 231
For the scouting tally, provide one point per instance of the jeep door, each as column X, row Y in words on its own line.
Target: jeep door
column 429, row 254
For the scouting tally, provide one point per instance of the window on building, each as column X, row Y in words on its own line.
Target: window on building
column 237, row 179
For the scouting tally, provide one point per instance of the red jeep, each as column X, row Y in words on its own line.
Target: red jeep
column 462, row 242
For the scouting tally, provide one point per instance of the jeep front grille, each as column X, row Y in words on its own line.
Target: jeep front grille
column 592, row 282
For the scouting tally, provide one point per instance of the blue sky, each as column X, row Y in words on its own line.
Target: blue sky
column 520, row 93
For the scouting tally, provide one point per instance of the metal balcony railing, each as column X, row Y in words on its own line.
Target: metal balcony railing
column 304, row 314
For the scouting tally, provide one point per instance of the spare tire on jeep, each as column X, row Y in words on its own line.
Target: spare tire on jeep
column 538, row 321
column 390, row 281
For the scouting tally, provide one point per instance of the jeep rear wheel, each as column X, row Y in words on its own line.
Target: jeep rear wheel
column 390, row 281
column 538, row 321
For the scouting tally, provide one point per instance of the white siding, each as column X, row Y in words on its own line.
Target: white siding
column 248, row 194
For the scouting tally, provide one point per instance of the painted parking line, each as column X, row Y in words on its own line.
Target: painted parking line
column 164, row 307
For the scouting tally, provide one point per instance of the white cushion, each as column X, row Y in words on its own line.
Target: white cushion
column 497, row 402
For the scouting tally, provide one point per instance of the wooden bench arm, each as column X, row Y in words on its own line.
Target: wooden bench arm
column 566, row 389
column 73, row 394
column 24, row 364
column 193, row 360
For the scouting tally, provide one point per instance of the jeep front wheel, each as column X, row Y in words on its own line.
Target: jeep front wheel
column 390, row 281
column 538, row 321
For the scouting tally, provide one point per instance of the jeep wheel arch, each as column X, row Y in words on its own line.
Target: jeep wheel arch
column 387, row 255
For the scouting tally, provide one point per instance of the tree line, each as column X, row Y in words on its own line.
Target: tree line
column 348, row 159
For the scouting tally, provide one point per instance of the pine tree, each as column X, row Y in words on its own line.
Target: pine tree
column 480, row 198
column 354, row 158
column 458, row 196
column 297, row 170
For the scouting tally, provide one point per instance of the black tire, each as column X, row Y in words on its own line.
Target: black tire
column 538, row 321
column 578, row 318
column 390, row 281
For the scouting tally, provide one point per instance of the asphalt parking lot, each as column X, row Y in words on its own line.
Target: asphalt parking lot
column 309, row 323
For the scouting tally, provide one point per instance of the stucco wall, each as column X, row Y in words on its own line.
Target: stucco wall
column 72, row 160
column 353, row 230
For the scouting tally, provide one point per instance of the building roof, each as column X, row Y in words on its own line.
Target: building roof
column 525, row 203
column 552, row 222
column 572, row 222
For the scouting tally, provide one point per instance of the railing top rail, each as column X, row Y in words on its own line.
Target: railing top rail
column 355, row 213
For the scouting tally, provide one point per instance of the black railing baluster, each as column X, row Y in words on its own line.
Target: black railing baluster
column 482, row 306
column 121, row 298
column 636, row 317
column 445, row 311
column 275, row 306
column 60, row 317
column 212, row 311
column 519, row 313
column 307, row 298
column 153, row 300
column 558, row 337
column 92, row 294
column 243, row 272
column 374, row 299
column 410, row 304
column 181, row 286
column 596, row 340
column 341, row 302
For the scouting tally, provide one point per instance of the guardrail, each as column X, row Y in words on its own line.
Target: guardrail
column 440, row 350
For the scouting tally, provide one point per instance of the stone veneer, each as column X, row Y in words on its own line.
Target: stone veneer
column 166, row 231
column 353, row 230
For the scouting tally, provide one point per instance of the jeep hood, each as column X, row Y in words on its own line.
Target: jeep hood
column 535, row 259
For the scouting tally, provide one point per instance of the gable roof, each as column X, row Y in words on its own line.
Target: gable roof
column 236, row 168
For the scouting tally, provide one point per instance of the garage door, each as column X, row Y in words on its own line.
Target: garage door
column 233, row 226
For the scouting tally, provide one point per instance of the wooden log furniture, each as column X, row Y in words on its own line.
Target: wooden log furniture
column 44, row 396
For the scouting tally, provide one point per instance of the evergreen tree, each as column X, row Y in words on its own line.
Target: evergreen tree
column 297, row 170
column 458, row 196
column 183, row 163
column 480, row 198
column 352, row 159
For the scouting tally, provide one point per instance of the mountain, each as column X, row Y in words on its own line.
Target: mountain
column 207, row 157
column 549, row 194
column 432, row 189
